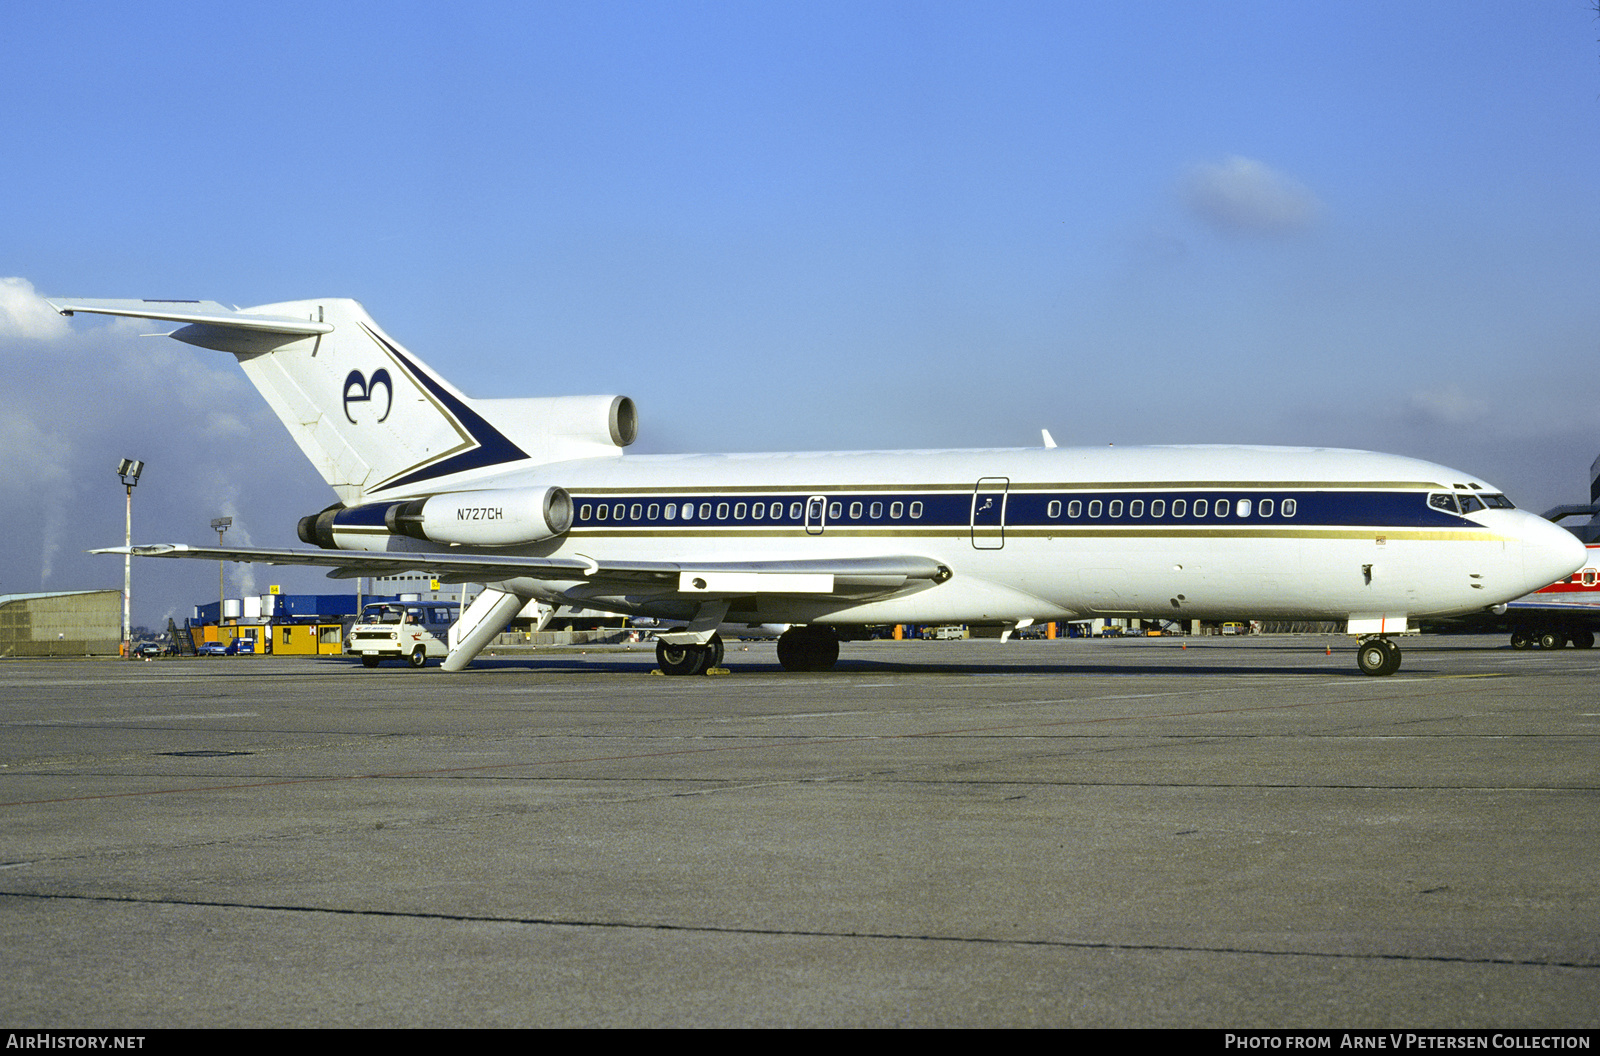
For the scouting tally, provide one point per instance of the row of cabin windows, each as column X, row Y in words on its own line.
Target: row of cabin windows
column 756, row 511
column 1180, row 508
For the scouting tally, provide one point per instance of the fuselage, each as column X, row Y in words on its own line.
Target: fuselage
column 1047, row 534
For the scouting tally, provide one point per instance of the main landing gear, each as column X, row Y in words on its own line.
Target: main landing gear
column 1377, row 656
column 689, row 659
column 799, row 649
column 1551, row 638
column 808, row 648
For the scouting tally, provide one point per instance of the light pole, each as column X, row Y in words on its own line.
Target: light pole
column 128, row 469
column 220, row 525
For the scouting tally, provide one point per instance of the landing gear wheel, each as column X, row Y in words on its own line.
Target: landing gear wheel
column 369, row 661
column 1552, row 640
column 808, row 649
column 1378, row 656
column 714, row 652
column 418, row 657
column 1583, row 639
column 1521, row 640
column 682, row 659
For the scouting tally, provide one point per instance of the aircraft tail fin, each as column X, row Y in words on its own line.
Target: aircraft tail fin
column 374, row 419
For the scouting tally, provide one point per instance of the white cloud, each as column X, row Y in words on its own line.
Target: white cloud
column 77, row 396
column 1244, row 196
column 25, row 315
column 1446, row 406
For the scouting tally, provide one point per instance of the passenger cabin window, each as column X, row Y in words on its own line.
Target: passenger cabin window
column 896, row 509
column 1075, row 509
column 1115, row 509
column 1094, row 508
column 877, row 510
column 1055, row 509
column 1200, row 507
column 1136, row 508
column 835, row 510
column 1266, row 507
column 916, row 510
column 705, row 511
column 1289, row 507
column 1158, row 507
column 855, row 511
column 738, row 511
column 585, row 512
column 1179, row 507
column 1242, row 507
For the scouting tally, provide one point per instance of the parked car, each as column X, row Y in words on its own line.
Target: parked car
column 237, row 647
column 148, row 649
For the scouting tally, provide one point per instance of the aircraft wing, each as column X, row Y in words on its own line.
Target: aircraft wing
column 717, row 578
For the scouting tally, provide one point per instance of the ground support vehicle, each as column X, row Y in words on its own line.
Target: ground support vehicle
column 413, row 630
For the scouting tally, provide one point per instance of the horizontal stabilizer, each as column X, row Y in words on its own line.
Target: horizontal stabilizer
column 205, row 313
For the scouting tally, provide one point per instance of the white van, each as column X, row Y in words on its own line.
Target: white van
column 415, row 630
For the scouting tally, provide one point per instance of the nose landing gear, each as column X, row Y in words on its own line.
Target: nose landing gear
column 1377, row 656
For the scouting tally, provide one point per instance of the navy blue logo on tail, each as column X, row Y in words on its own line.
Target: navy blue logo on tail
column 357, row 389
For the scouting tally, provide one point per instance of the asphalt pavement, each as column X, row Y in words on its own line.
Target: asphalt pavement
column 1161, row 832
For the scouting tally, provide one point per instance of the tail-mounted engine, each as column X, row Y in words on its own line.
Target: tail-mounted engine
column 485, row 518
column 503, row 517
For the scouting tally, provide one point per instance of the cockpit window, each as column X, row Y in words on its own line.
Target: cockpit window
column 1470, row 503
column 1496, row 501
column 1440, row 500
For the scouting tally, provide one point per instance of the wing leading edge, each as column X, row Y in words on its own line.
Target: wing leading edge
column 698, row 581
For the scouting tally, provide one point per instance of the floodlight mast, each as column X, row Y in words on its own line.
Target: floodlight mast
column 128, row 469
column 220, row 525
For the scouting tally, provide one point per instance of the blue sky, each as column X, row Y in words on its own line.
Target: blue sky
column 812, row 225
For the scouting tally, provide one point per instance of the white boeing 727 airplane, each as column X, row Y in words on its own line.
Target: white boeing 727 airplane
column 535, row 498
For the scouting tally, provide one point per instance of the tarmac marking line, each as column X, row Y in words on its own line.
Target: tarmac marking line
column 811, row 933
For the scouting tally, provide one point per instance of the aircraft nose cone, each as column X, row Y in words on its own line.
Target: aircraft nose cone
column 1549, row 552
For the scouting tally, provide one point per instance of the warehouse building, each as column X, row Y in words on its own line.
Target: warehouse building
column 67, row 623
